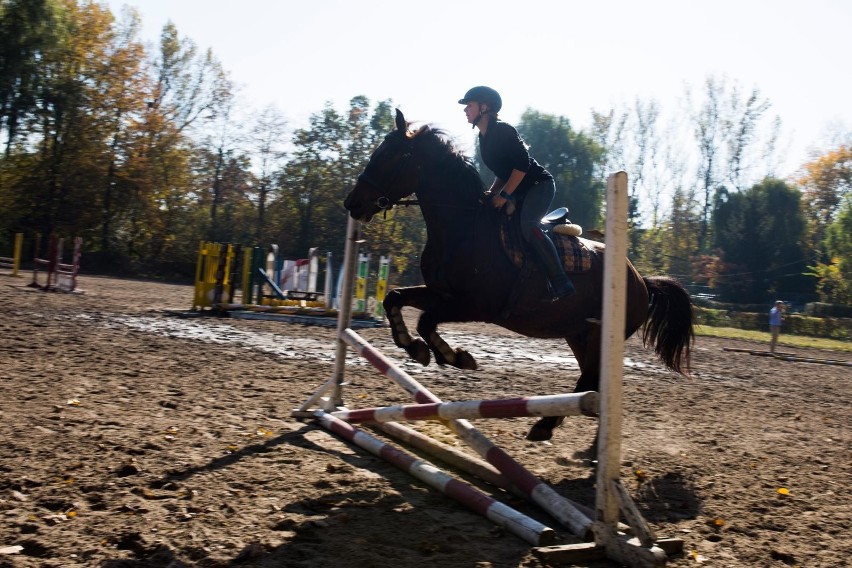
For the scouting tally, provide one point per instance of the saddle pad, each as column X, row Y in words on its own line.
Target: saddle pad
column 576, row 257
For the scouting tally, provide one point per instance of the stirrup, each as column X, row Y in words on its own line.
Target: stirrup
column 564, row 290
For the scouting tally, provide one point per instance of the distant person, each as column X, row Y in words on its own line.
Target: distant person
column 775, row 323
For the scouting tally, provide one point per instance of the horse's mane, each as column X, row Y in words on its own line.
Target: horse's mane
column 452, row 162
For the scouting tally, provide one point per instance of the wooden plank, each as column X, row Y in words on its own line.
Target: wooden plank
column 590, row 552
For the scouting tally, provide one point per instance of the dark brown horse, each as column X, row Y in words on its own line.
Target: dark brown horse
column 468, row 277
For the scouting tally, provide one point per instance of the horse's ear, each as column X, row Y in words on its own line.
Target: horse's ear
column 401, row 125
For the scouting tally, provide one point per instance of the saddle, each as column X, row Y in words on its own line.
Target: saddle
column 576, row 256
column 557, row 222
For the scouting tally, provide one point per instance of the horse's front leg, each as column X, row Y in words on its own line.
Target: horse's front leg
column 434, row 307
column 417, row 297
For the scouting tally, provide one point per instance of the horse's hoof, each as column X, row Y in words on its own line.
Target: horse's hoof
column 419, row 351
column 542, row 430
column 539, row 433
column 465, row 360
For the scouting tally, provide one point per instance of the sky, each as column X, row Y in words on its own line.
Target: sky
column 561, row 57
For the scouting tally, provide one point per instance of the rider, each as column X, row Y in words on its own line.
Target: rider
column 518, row 177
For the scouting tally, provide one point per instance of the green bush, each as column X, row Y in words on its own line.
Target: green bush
column 821, row 309
column 795, row 324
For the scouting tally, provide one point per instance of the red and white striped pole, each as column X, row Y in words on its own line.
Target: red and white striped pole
column 535, row 489
column 548, row 405
column 502, row 515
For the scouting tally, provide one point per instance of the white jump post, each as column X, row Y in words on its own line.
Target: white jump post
column 344, row 317
column 60, row 276
column 612, row 358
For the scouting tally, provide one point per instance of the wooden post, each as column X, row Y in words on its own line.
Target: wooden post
column 612, row 349
column 344, row 315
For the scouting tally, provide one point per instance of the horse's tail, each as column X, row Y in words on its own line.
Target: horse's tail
column 668, row 328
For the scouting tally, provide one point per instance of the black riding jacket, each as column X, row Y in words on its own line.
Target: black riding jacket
column 503, row 151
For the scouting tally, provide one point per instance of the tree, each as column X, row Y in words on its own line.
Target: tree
column 61, row 142
column 669, row 244
column 186, row 88
column 632, row 142
column 29, row 30
column 267, row 141
column 223, row 174
column 725, row 126
column 769, row 219
column 121, row 87
column 827, row 182
column 834, row 277
column 681, row 235
column 310, row 184
column 223, row 185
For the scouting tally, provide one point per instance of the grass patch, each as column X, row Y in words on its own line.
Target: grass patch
column 764, row 337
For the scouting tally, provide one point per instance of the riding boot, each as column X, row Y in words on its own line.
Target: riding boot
column 559, row 283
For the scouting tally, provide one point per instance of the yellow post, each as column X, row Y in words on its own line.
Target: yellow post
column 247, row 256
column 205, row 274
column 19, row 243
column 382, row 285
column 360, row 284
column 212, row 267
column 199, row 265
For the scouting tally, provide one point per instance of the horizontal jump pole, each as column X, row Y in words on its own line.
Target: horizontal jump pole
column 448, row 454
column 548, row 405
column 465, row 462
column 796, row 359
column 502, row 515
column 784, row 356
column 560, row 508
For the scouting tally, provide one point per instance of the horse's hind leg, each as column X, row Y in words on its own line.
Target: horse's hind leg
column 586, row 349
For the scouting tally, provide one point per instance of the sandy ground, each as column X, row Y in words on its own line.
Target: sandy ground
column 130, row 437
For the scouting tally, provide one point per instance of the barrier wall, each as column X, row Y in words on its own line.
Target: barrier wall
column 229, row 277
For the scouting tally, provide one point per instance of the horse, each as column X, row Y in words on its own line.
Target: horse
column 468, row 277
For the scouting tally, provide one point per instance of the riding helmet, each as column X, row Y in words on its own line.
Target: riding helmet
column 483, row 95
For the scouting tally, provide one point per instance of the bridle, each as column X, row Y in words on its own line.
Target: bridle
column 384, row 203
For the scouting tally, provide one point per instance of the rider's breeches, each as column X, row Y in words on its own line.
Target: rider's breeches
column 536, row 205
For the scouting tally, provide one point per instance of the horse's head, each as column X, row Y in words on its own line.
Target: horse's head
column 389, row 176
